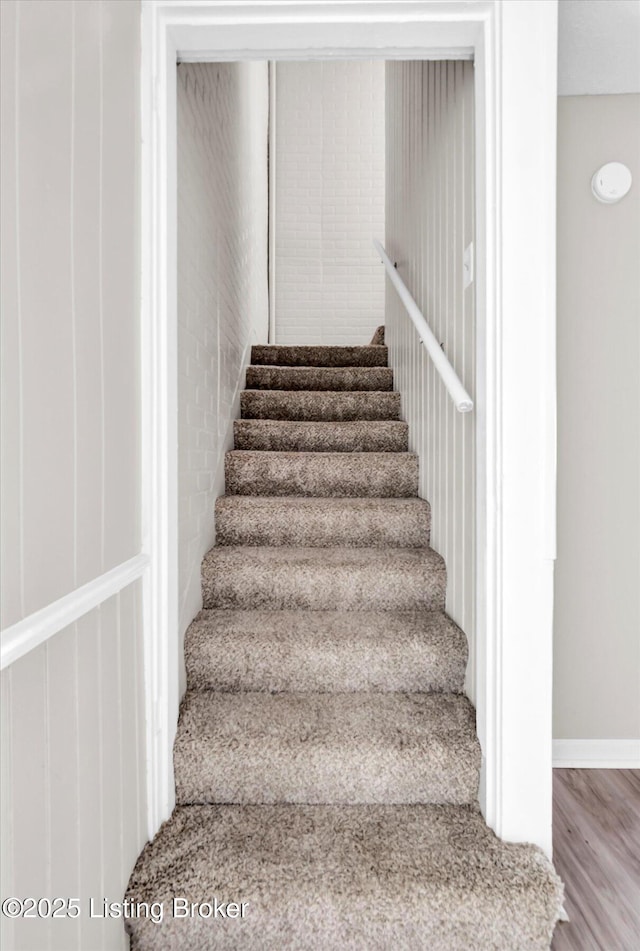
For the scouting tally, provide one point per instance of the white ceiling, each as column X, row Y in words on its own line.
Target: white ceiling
column 598, row 47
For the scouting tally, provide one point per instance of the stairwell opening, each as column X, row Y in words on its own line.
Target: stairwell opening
column 325, row 675
column 286, row 172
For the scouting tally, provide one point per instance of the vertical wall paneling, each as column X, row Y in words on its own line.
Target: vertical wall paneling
column 329, row 144
column 44, row 207
column 90, row 767
column 131, row 729
column 70, row 501
column 86, row 259
column 30, row 859
column 62, row 720
column 429, row 223
column 120, row 308
column 11, row 553
column 72, row 790
column 223, row 302
column 6, row 800
column 72, row 732
column 111, row 766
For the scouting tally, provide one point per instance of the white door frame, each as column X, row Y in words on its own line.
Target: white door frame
column 514, row 48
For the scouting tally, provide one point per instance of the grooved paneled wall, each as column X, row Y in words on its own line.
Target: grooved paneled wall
column 329, row 201
column 222, row 283
column 73, row 787
column 70, row 297
column 73, row 777
column 429, row 223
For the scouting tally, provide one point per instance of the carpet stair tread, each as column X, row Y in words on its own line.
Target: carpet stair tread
column 319, row 405
column 344, row 877
column 323, row 522
column 319, row 378
column 357, row 747
column 321, row 435
column 319, row 356
column 325, row 651
column 388, row 579
column 322, row 474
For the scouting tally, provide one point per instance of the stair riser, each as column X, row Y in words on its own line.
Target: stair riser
column 258, row 525
column 292, row 436
column 338, row 379
column 384, row 475
column 324, row 587
column 371, row 356
column 346, row 670
column 318, row 406
column 343, row 670
column 348, row 780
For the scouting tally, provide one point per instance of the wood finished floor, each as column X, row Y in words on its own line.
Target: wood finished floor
column 596, row 841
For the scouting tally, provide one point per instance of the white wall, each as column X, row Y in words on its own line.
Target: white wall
column 598, row 47
column 73, row 777
column 73, row 803
column 429, row 216
column 329, row 201
column 70, row 285
column 222, row 283
column 597, row 599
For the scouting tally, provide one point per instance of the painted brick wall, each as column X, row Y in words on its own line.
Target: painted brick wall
column 329, row 201
column 222, row 283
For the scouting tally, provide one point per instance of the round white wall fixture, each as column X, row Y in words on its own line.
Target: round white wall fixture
column 611, row 182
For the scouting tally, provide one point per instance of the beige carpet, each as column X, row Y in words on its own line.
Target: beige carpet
column 326, row 759
column 362, row 878
column 322, row 436
column 325, row 651
column 320, row 405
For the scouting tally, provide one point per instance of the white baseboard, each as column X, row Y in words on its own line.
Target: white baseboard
column 597, row 754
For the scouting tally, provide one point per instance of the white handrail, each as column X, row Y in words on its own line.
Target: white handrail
column 25, row 635
column 457, row 392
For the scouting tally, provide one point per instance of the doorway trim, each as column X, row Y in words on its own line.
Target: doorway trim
column 514, row 50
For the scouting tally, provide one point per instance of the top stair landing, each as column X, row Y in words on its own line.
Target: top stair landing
column 277, row 356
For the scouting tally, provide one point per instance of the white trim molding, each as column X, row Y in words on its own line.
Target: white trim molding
column 159, row 387
column 514, row 49
column 25, row 635
column 516, row 103
column 271, row 201
column 596, row 754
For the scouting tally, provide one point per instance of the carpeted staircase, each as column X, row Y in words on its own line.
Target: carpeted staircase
column 326, row 758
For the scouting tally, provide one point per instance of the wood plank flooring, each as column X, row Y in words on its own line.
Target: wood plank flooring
column 596, row 842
